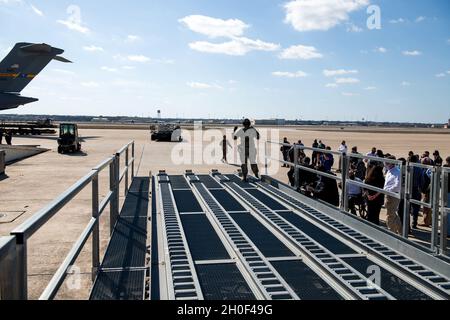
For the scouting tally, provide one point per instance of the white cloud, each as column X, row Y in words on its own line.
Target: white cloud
column 381, row 50
column 11, row 1
column 90, row 84
column 234, row 29
column 340, row 72
column 74, row 25
column 440, row 75
column 281, row 74
column 203, row 86
column 412, row 53
column 347, row 80
column 236, row 47
column 213, row 27
column 307, row 15
column 448, row 72
column 138, row 58
column 405, row 84
column 128, row 67
column 132, row 38
column 350, row 94
column 420, row 19
column 36, row 10
column 331, row 85
column 370, row 88
column 300, row 52
column 108, row 69
column 351, row 27
column 395, row 21
column 93, row 48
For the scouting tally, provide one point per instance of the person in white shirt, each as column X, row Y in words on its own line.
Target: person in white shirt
column 393, row 184
column 343, row 149
column 247, row 149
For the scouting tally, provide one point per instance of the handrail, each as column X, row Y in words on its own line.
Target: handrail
column 21, row 234
column 372, row 188
column 55, row 283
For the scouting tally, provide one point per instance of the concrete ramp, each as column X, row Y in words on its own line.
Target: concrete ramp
column 18, row 153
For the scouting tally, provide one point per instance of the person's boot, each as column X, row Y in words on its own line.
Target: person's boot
column 255, row 170
column 244, row 173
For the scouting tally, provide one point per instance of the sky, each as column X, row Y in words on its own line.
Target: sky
column 385, row 60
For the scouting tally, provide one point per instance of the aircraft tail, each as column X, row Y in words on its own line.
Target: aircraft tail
column 24, row 63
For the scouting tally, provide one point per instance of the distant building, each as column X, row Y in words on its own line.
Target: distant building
column 100, row 119
column 271, row 122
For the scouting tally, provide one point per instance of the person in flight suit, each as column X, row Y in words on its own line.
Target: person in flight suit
column 247, row 149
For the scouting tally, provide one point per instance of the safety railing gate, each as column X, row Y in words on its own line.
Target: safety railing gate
column 13, row 249
column 439, row 177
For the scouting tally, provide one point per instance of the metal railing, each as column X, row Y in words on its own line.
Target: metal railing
column 13, row 250
column 438, row 188
column 445, row 209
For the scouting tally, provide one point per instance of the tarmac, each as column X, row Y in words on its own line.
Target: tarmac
column 34, row 182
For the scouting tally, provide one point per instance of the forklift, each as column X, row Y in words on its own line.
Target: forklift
column 69, row 140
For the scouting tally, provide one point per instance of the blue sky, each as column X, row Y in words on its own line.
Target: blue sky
column 302, row 59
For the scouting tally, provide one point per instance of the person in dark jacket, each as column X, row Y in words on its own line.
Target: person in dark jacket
column 375, row 200
column 418, row 181
column 438, row 162
column 325, row 189
column 285, row 151
column 314, row 154
column 8, row 137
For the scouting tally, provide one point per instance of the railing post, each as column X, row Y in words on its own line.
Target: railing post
column 22, row 266
column 127, row 169
column 344, row 174
column 117, row 186
column 435, row 208
column 408, row 173
column 444, row 211
column 266, row 159
column 134, row 160
column 296, row 168
column 8, row 270
column 96, row 230
column 112, row 189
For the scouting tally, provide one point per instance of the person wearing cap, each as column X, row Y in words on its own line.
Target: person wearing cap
column 247, row 149
column 437, row 159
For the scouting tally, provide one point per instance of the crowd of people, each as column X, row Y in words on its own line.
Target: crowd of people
column 383, row 174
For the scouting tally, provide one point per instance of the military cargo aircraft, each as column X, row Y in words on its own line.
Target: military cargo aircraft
column 24, row 62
